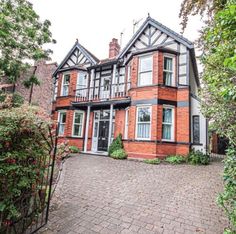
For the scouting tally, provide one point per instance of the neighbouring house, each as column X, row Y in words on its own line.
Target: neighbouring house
column 41, row 95
column 147, row 92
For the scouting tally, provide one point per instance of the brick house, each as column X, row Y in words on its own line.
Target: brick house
column 147, row 92
column 41, row 95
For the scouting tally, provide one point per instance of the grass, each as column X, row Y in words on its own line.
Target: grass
column 152, row 161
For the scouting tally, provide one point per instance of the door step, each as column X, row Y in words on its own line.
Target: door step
column 98, row 153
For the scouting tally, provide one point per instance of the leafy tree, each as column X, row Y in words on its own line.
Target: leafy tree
column 22, row 37
column 218, row 44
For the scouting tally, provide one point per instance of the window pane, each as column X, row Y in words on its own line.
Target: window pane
column 143, row 130
column 65, row 90
column 166, row 131
column 168, row 78
column 196, row 129
column 144, row 114
column 78, row 118
column 145, row 64
column 77, row 130
column 167, row 115
column 95, row 134
column 62, row 118
column 168, row 64
column 61, row 129
column 145, row 78
column 67, row 79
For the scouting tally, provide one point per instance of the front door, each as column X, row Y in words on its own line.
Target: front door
column 103, row 135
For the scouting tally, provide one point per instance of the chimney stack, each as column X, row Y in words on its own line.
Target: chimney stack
column 114, row 48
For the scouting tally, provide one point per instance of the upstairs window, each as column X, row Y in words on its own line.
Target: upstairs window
column 62, row 123
column 65, row 85
column 78, row 123
column 168, row 71
column 143, row 123
column 145, row 71
column 167, row 124
column 81, row 84
column 196, row 129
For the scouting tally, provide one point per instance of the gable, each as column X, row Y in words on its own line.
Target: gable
column 152, row 34
column 78, row 56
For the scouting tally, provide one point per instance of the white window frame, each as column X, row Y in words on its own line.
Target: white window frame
column 136, row 124
column 172, row 124
column 82, row 124
column 126, row 123
column 83, row 88
column 58, row 120
column 62, row 84
column 173, row 57
column 141, row 72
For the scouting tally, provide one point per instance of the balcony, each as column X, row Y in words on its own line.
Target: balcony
column 102, row 93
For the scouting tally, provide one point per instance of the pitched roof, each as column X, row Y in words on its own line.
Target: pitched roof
column 91, row 57
column 162, row 28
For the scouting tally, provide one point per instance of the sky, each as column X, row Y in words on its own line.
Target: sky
column 96, row 22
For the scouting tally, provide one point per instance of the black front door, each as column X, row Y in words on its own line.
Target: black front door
column 103, row 135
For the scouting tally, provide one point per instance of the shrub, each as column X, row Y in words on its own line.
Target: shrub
column 74, row 149
column 116, row 145
column 227, row 199
column 175, row 159
column 119, row 154
column 198, row 158
column 26, row 146
column 152, row 161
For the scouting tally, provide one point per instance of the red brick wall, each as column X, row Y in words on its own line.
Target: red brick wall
column 143, row 149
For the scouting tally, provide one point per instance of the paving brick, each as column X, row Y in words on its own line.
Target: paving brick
column 101, row 195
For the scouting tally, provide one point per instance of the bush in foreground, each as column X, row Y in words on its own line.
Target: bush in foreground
column 198, row 158
column 74, row 149
column 116, row 145
column 119, row 154
column 175, row 159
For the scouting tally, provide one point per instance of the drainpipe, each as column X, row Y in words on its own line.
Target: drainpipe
column 110, row 125
column 87, row 128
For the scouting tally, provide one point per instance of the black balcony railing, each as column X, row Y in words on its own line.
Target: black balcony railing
column 99, row 93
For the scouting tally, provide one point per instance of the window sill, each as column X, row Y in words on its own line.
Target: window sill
column 167, row 140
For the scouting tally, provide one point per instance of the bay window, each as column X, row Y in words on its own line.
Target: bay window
column 78, row 123
column 168, row 70
column 168, row 123
column 145, row 71
column 62, row 123
column 143, row 122
column 81, row 84
column 65, row 85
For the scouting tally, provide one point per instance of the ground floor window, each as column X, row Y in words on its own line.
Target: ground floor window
column 126, row 123
column 167, row 123
column 196, row 129
column 62, row 123
column 143, row 122
column 78, row 123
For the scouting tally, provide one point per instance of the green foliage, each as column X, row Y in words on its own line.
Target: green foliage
column 119, row 154
column 26, row 146
column 152, row 161
column 227, row 199
column 17, row 100
column 175, row 159
column 116, row 145
column 22, row 37
column 33, row 80
column 198, row 158
column 74, row 149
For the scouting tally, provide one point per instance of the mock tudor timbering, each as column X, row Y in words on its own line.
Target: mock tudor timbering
column 147, row 92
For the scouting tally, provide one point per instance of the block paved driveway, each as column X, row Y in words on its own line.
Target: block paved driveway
column 101, row 195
